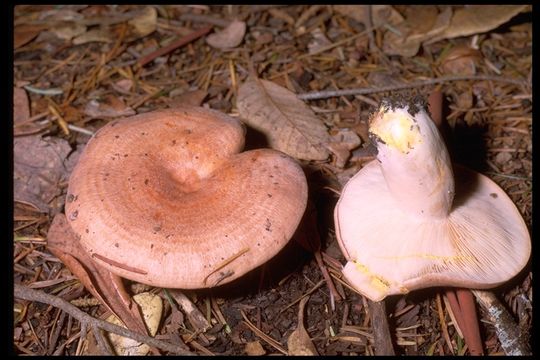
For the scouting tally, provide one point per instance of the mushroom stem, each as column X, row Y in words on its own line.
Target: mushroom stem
column 414, row 159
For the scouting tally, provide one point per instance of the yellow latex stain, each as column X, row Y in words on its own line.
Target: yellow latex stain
column 378, row 282
column 396, row 129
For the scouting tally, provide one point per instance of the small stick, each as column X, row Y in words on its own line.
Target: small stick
column 381, row 330
column 506, row 328
column 315, row 95
column 25, row 293
column 174, row 45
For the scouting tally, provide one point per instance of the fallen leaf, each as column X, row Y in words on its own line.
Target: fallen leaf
column 460, row 59
column 39, row 169
column 144, row 23
column 385, row 15
column 229, row 37
column 299, row 342
column 356, row 12
column 151, row 308
column 341, row 145
column 287, row 122
column 254, row 348
column 476, row 19
column 418, row 27
column 192, row 98
column 123, row 86
column 319, row 41
column 68, row 31
column 109, row 107
column 105, row 286
column 380, row 14
column 94, row 35
column 21, row 106
column 23, row 34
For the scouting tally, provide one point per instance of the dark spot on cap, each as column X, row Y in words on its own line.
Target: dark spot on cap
column 157, row 228
column 116, row 244
column 74, row 215
column 174, row 142
column 87, row 231
column 117, row 136
column 493, row 195
column 146, row 182
column 71, row 198
column 269, row 195
column 151, row 246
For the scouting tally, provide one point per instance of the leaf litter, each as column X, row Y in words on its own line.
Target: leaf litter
column 140, row 58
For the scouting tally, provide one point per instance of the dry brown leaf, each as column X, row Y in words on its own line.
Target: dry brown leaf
column 341, row 145
column 144, row 23
column 229, row 37
column 39, row 167
column 355, row 12
column 192, row 98
column 23, row 34
column 418, row 27
column 287, row 122
column 69, row 30
column 319, row 41
column 299, row 342
column 461, row 59
column 380, row 14
column 94, row 35
column 476, row 19
column 254, row 348
column 21, row 106
column 109, row 107
column 102, row 284
column 385, row 14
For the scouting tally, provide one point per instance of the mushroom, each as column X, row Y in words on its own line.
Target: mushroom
column 166, row 198
column 404, row 223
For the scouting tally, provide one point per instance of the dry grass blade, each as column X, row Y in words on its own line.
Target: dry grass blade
column 276, row 345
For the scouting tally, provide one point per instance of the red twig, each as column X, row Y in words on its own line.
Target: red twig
column 174, row 45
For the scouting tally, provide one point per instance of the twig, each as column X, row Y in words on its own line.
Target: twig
column 505, row 327
column 174, row 45
column 381, row 330
column 315, row 95
column 102, row 342
column 25, row 293
column 205, row 19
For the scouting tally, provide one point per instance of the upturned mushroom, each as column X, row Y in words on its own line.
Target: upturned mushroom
column 410, row 220
column 166, row 198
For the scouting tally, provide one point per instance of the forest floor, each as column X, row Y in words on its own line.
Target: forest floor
column 76, row 68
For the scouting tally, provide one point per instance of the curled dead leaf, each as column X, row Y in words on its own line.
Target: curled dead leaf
column 299, row 342
column 229, row 37
column 287, row 122
column 102, row 284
